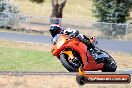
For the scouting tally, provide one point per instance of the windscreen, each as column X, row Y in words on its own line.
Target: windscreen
column 55, row 39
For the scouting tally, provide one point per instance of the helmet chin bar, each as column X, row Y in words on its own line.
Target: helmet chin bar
column 54, row 32
column 54, row 29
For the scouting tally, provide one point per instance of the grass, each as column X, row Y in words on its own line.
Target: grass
column 21, row 57
column 123, row 60
column 129, row 36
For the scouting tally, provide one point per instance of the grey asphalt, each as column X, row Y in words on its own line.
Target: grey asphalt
column 113, row 45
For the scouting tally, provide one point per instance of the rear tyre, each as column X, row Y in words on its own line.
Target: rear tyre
column 110, row 65
column 66, row 64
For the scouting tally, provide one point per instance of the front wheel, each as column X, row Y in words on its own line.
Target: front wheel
column 65, row 62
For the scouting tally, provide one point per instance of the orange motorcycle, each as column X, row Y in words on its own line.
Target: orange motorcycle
column 74, row 54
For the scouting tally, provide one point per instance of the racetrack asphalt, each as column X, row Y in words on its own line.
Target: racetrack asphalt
column 113, row 45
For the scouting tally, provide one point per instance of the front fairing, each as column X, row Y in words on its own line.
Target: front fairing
column 58, row 41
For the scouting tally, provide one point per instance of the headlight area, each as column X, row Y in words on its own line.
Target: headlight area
column 60, row 43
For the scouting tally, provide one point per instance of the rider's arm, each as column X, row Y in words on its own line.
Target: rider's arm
column 71, row 32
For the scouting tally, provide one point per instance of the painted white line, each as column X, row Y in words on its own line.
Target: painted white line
column 30, row 42
column 128, row 69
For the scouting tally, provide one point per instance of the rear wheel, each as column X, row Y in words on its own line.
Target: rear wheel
column 110, row 65
column 71, row 67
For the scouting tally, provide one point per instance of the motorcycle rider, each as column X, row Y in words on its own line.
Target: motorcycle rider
column 57, row 29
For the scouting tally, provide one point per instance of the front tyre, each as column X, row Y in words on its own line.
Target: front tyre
column 66, row 64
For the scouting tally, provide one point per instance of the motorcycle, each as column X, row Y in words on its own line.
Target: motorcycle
column 74, row 54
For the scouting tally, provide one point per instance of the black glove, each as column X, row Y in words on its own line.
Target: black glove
column 72, row 35
column 87, row 41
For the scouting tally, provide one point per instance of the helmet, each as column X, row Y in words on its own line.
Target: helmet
column 54, row 29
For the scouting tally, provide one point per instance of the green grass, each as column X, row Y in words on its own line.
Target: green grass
column 15, row 59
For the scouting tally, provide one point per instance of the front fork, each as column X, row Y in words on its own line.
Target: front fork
column 69, row 53
column 72, row 59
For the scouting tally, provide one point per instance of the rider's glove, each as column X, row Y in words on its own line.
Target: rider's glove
column 72, row 35
column 87, row 41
